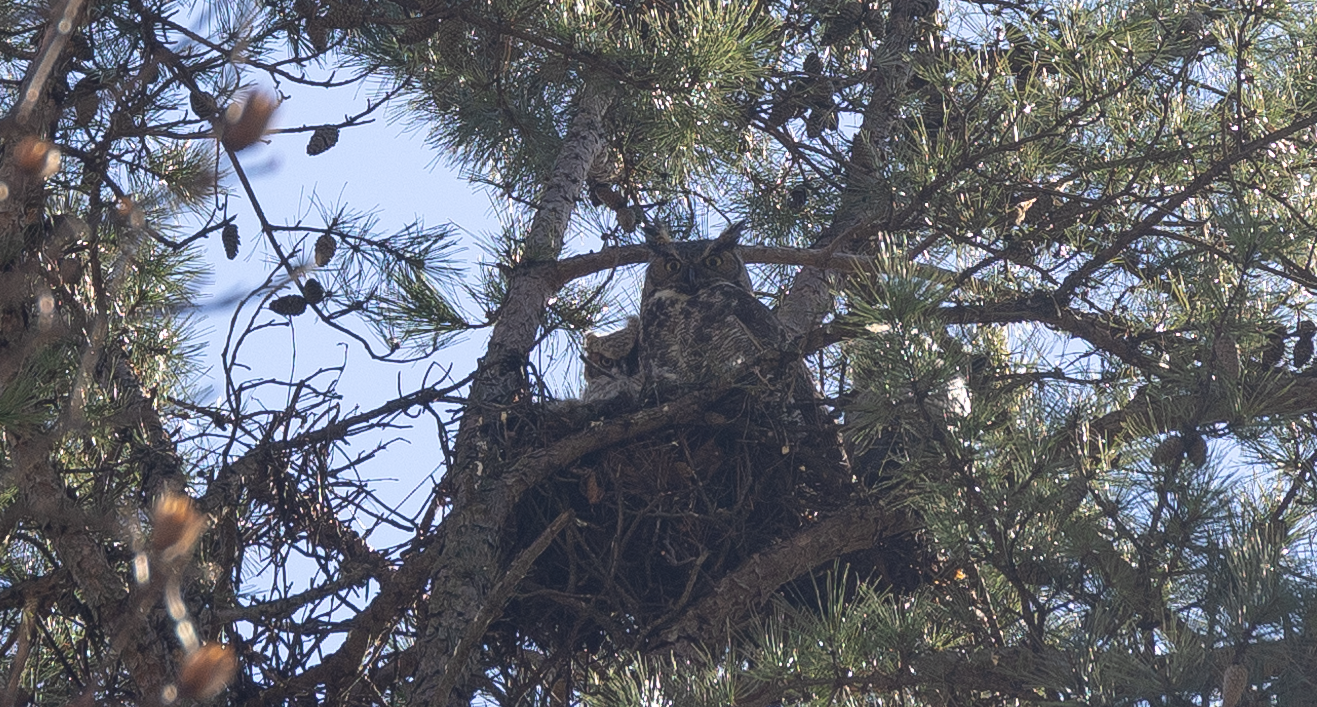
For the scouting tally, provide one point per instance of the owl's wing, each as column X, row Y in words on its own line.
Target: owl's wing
column 758, row 320
column 760, row 325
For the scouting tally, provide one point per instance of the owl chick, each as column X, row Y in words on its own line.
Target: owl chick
column 700, row 321
column 611, row 364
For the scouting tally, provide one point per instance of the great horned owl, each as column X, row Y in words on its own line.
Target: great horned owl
column 700, row 321
column 611, row 364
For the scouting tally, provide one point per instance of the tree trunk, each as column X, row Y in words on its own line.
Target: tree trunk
column 471, row 562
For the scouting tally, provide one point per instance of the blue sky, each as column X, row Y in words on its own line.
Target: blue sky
column 381, row 167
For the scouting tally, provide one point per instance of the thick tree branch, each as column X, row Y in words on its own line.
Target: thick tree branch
column 755, row 580
column 480, row 505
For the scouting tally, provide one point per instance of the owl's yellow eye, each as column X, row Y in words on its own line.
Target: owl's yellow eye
column 714, row 261
column 672, row 265
column 605, row 361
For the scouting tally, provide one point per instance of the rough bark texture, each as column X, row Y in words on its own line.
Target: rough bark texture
column 470, row 562
column 755, row 581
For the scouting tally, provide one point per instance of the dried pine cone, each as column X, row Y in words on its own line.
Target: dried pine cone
column 305, row 8
column 1303, row 349
column 418, row 31
column 289, row 305
column 1274, row 350
column 813, row 64
column 797, row 197
column 1195, row 449
column 914, row 8
column 1169, row 451
column 203, row 104
column 84, row 110
column 348, row 14
column 785, row 107
column 626, row 220
column 321, row 140
column 325, row 248
column 312, row 291
column 608, row 196
column 842, row 24
column 85, row 100
column 317, row 32
column 231, row 240
column 1233, row 683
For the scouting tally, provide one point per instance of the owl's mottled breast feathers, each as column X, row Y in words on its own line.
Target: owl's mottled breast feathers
column 700, row 321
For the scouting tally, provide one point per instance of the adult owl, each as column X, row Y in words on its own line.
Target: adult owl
column 700, row 321
column 611, row 364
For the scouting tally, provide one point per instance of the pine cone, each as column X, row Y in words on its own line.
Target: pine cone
column 312, row 291
column 1195, row 449
column 318, row 34
column 785, row 107
column 813, row 64
column 1169, row 451
column 1302, row 350
column 914, row 9
column 203, row 104
column 608, row 196
column 1233, row 683
column 85, row 100
column 321, row 140
column 305, row 8
column 821, row 119
column 348, row 14
column 418, row 31
column 325, row 248
column 842, row 24
column 626, row 220
column 797, row 197
column 1274, row 350
column 84, row 109
column 289, row 305
column 1226, row 352
column 149, row 72
column 875, row 22
column 231, row 240
column 452, row 41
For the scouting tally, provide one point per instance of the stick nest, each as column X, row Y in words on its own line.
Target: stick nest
column 661, row 519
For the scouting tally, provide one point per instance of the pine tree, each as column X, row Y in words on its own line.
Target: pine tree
column 1086, row 220
column 1042, row 260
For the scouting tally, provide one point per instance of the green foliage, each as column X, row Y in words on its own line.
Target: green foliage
column 499, row 109
column 1072, row 236
column 402, row 283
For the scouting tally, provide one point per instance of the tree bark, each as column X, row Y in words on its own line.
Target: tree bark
column 865, row 198
column 470, row 562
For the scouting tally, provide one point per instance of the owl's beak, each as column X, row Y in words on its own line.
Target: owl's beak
column 688, row 277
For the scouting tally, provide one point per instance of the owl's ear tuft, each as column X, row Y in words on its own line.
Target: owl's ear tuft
column 657, row 234
column 731, row 235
